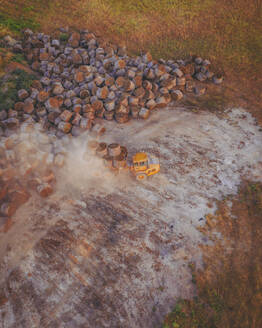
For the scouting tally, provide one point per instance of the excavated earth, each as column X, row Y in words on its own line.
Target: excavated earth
column 107, row 251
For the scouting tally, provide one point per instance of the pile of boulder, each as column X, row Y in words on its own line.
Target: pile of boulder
column 84, row 78
column 114, row 155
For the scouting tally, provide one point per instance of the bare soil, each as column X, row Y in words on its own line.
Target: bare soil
column 107, row 251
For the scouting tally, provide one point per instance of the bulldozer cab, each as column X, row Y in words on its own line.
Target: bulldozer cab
column 140, row 162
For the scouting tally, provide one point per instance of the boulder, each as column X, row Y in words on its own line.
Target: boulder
column 28, row 107
column 79, row 77
column 161, row 102
column 66, row 115
column 180, row 81
column 64, row 127
column 121, row 118
column 74, row 39
column 217, row 79
column 42, row 96
column 102, row 93
column 77, row 59
column 22, row 94
column 176, row 95
column 77, row 108
column 76, row 120
column 200, row 76
column 57, row 88
column 150, row 104
column 178, row 72
column 44, row 190
column 109, row 115
column 85, row 123
column 19, row 106
column 144, row 113
column 53, row 104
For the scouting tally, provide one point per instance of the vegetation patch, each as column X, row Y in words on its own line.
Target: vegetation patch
column 18, row 79
column 17, row 24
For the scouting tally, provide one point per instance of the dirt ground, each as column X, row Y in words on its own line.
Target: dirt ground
column 107, row 251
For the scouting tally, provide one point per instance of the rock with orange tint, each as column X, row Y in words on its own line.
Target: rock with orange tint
column 79, row 77
column 160, row 70
column 45, row 80
column 77, row 59
column 37, row 85
column 42, row 96
column 147, row 57
column 109, row 81
column 8, row 209
column 151, row 104
column 77, row 108
column 77, row 118
column 120, row 81
column 121, row 117
column 19, row 106
column 102, row 93
column 57, row 88
column 74, row 40
column 49, row 177
column 120, row 64
column 86, row 123
column 11, row 122
column 161, row 102
column 45, row 190
column 176, row 95
column 138, row 81
column 66, row 115
column 139, row 92
column 35, row 65
column 134, row 111
column 22, row 94
column 53, row 104
column 28, row 107
column 144, row 113
column 44, row 56
column 64, row 127
column 52, row 116
column 89, row 115
column 98, row 104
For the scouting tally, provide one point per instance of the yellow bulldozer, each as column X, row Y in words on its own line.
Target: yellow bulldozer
column 144, row 165
column 115, row 158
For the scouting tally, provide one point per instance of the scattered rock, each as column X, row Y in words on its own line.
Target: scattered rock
column 45, row 190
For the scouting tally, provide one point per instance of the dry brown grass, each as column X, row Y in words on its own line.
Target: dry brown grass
column 230, row 286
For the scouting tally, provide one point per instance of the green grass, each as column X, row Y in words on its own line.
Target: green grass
column 64, row 36
column 18, row 24
column 19, row 79
column 18, row 58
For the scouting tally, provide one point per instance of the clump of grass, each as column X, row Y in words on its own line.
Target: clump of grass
column 64, row 37
column 18, row 58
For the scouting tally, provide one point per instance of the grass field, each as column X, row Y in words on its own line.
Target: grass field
column 228, row 32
